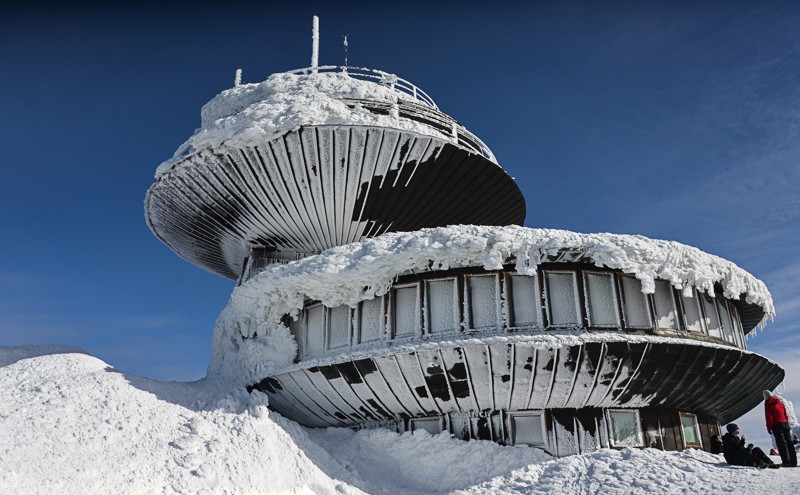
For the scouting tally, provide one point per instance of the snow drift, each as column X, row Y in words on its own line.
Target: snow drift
column 73, row 424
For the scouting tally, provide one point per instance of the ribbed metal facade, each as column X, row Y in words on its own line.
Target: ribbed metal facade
column 320, row 187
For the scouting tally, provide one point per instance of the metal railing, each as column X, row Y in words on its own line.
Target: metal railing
column 376, row 76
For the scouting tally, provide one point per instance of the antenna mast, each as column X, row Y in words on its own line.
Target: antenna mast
column 345, row 49
column 315, row 44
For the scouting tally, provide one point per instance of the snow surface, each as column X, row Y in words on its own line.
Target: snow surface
column 249, row 341
column 70, row 423
column 254, row 113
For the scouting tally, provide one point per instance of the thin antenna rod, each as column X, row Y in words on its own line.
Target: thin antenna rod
column 345, row 49
column 315, row 44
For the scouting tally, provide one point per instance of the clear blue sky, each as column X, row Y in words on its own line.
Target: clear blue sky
column 673, row 120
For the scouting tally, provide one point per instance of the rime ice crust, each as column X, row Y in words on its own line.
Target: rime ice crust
column 250, row 341
column 258, row 112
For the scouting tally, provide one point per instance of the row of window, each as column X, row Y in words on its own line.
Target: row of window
column 624, row 428
column 486, row 302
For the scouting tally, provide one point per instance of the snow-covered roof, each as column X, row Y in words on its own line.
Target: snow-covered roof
column 259, row 112
column 361, row 270
column 346, row 275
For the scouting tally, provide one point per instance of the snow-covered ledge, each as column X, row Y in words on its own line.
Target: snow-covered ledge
column 249, row 341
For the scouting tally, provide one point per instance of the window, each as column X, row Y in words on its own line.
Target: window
column 483, row 301
column 431, row 425
column 442, row 314
column 338, row 327
column 738, row 332
column 405, row 311
column 690, row 430
column 625, row 428
column 664, row 300
column 691, row 312
column 528, row 428
column 526, row 310
column 601, row 301
column 296, row 328
column 562, row 300
column 725, row 320
column 315, row 329
column 711, row 316
column 371, row 321
column 636, row 305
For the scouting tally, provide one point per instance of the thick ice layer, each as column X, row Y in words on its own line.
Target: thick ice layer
column 254, row 113
column 250, row 341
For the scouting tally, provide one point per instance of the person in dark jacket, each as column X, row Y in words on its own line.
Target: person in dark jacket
column 716, row 444
column 736, row 454
column 778, row 426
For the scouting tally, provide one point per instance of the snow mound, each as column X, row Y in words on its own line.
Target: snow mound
column 73, row 424
column 255, row 113
column 10, row 355
column 249, row 339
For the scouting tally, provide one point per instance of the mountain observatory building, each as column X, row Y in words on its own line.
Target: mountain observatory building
column 384, row 279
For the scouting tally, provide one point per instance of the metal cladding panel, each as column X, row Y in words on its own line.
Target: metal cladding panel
column 723, row 383
column 323, row 186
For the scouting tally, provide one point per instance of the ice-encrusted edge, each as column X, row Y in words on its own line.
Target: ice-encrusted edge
column 249, row 341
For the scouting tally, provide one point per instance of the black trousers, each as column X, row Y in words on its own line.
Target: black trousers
column 759, row 454
column 783, row 440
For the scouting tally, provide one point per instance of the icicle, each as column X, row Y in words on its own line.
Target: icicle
column 237, row 81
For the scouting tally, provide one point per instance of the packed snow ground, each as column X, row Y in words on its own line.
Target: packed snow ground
column 70, row 423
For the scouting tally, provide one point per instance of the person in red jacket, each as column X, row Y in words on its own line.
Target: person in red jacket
column 778, row 426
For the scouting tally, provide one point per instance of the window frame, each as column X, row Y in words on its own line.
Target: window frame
column 697, row 434
column 498, row 323
column 381, row 318
column 427, row 331
column 612, row 437
column 614, row 296
column 547, row 299
column 536, row 303
column 623, row 298
column 677, row 309
column 512, row 429
column 391, row 316
column 684, row 315
column 329, row 331
column 324, row 336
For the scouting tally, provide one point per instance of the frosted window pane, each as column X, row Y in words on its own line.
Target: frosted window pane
column 712, row 320
column 528, row 430
column 339, row 327
column 666, row 315
column 737, row 327
column 600, row 299
column 689, row 429
column 432, row 425
column 692, row 313
column 296, row 327
column 637, row 309
column 316, row 334
column 441, row 305
column 483, row 301
column 525, row 300
column 625, row 428
column 561, row 298
column 725, row 317
column 405, row 311
column 371, row 324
